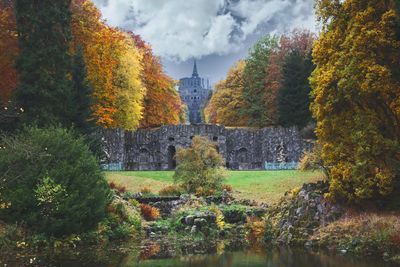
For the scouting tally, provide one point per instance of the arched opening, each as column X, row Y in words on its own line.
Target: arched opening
column 215, row 138
column 171, row 158
column 241, row 155
column 144, row 155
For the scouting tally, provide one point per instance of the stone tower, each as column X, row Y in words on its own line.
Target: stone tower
column 194, row 92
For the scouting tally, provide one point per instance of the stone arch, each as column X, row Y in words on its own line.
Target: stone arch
column 144, row 155
column 242, row 155
column 171, row 158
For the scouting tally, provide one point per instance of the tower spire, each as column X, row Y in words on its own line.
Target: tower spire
column 195, row 74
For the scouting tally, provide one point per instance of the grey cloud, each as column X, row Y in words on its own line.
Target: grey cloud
column 182, row 29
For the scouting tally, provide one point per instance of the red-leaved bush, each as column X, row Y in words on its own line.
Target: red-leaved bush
column 149, row 213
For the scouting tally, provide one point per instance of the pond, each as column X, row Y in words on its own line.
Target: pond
column 250, row 258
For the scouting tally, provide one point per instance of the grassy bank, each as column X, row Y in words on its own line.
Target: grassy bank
column 368, row 233
column 261, row 186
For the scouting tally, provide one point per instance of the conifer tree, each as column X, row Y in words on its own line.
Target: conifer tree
column 44, row 90
column 82, row 95
column 293, row 98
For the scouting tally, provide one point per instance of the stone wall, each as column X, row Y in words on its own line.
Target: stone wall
column 242, row 148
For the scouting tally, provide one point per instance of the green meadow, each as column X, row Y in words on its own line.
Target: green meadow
column 261, row 186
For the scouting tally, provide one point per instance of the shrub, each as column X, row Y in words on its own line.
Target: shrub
column 119, row 188
column 123, row 220
column 219, row 219
column 234, row 213
column 149, row 213
column 227, row 187
column 112, row 185
column 170, row 190
column 122, row 231
column 373, row 233
column 256, row 230
column 145, row 190
column 200, row 166
column 201, row 191
column 312, row 161
column 9, row 234
column 52, row 182
column 134, row 203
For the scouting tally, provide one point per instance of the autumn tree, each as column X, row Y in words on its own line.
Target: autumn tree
column 227, row 100
column 200, row 168
column 43, row 65
column 162, row 103
column 8, row 51
column 113, row 65
column 297, row 40
column 260, row 83
column 357, row 97
column 254, row 81
column 128, row 84
column 294, row 96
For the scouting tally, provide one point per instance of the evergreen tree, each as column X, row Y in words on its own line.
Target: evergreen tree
column 82, row 95
column 293, row 98
column 43, row 66
column 254, row 81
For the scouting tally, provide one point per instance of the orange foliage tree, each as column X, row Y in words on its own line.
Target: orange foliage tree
column 130, row 88
column 298, row 40
column 227, row 101
column 162, row 103
column 8, row 50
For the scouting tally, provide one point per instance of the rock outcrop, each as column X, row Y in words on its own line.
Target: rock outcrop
column 301, row 212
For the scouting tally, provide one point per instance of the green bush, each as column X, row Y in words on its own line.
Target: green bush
column 234, row 213
column 51, row 182
column 200, row 167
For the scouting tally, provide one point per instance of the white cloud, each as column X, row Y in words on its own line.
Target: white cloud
column 183, row 29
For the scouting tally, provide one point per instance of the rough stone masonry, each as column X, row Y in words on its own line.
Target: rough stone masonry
column 242, row 148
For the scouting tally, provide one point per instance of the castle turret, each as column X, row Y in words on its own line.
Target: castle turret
column 195, row 74
column 194, row 94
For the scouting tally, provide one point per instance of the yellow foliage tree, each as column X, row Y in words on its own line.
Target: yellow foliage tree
column 130, row 90
column 356, row 90
column 113, row 67
column 227, row 101
column 162, row 103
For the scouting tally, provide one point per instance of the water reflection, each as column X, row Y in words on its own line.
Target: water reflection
column 274, row 258
column 251, row 258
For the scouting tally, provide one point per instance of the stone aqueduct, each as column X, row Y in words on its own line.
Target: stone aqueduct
column 242, row 148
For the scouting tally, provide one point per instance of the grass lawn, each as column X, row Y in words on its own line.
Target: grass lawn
column 262, row 186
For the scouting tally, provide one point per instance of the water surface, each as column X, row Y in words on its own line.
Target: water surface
column 259, row 258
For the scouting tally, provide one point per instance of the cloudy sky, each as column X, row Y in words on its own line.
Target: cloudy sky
column 215, row 32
